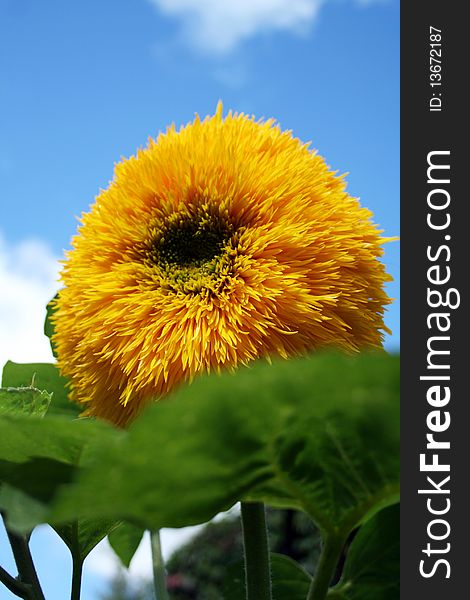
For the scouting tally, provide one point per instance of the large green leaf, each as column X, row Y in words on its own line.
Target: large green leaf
column 341, row 468
column 24, row 400
column 21, row 512
column 44, row 376
column 25, row 438
column 289, row 580
column 372, row 568
column 37, row 457
column 124, row 540
column 319, row 434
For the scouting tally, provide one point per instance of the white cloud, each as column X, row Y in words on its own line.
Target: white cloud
column 218, row 26
column 28, row 280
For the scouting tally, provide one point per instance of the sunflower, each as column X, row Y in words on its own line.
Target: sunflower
column 217, row 244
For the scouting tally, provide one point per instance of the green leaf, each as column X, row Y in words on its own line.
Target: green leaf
column 372, row 568
column 25, row 438
column 320, row 433
column 24, row 400
column 38, row 456
column 44, row 376
column 290, row 581
column 83, row 535
column 124, row 540
column 342, row 468
column 48, row 325
column 22, row 513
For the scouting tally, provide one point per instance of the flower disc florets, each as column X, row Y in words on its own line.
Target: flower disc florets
column 220, row 243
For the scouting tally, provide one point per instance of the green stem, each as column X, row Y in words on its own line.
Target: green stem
column 77, row 569
column 159, row 576
column 256, row 544
column 329, row 558
column 16, row 587
column 24, row 562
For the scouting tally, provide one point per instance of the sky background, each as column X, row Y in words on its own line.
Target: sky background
column 84, row 83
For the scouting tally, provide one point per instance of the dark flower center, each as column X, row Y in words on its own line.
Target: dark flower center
column 191, row 242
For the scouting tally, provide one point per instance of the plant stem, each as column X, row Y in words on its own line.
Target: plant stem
column 159, row 577
column 256, row 544
column 329, row 558
column 77, row 568
column 16, row 587
column 24, row 562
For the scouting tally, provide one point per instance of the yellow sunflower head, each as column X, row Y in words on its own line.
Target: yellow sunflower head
column 219, row 243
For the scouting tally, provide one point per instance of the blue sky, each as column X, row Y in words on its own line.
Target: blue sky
column 85, row 83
